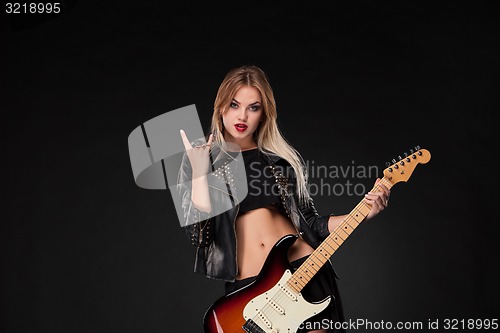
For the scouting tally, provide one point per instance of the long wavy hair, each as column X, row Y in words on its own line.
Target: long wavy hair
column 268, row 136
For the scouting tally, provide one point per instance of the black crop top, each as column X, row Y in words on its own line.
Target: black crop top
column 262, row 187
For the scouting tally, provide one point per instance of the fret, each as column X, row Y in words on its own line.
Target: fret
column 346, row 227
column 330, row 245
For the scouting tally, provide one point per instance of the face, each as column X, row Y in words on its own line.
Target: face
column 243, row 117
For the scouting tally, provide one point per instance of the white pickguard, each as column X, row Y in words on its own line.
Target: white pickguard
column 280, row 309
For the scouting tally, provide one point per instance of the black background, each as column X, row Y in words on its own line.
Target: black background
column 86, row 250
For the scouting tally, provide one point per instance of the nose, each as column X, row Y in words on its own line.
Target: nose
column 242, row 115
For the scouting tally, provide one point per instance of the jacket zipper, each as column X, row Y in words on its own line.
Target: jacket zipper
column 237, row 206
column 284, row 198
column 236, row 241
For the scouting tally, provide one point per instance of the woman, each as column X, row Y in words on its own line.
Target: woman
column 233, row 245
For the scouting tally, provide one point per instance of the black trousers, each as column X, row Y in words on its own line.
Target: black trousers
column 323, row 284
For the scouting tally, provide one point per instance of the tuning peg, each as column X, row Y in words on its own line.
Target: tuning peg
column 417, row 147
column 388, row 164
column 406, row 154
column 393, row 160
column 400, row 158
column 411, row 151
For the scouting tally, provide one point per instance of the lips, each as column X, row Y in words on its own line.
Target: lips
column 240, row 127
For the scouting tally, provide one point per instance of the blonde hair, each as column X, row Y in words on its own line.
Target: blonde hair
column 267, row 135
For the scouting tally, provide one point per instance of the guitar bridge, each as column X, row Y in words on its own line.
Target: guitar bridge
column 251, row 327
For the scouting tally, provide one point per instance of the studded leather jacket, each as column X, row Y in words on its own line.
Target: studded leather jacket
column 214, row 236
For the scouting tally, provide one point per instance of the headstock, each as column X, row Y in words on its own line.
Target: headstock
column 400, row 171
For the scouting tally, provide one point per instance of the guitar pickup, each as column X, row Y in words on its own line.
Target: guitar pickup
column 276, row 306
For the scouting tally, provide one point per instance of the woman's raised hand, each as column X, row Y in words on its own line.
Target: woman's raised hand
column 198, row 155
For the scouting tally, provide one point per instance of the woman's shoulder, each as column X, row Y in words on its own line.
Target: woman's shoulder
column 276, row 159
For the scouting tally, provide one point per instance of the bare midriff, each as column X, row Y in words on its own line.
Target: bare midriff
column 257, row 231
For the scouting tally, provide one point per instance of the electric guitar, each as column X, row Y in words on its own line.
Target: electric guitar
column 273, row 302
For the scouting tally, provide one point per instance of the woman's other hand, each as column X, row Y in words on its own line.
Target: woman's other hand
column 377, row 200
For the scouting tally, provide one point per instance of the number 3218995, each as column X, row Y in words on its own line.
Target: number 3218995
column 33, row 7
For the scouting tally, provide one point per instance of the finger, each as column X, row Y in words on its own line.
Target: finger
column 374, row 204
column 370, row 198
column 379, row 202
column 379, row 183
column 370, row 195
column 385, row 189
column 185, row 141
column 378, row 197
column 382, row 202
column 374, row 195
column 210, row 139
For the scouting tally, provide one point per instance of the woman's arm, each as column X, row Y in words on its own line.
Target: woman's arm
column 199, row 193
column 193, row 188
column 199, row 158
column 334, row 221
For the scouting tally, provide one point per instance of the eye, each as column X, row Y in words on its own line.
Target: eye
column 233, row 105
column 254, row 107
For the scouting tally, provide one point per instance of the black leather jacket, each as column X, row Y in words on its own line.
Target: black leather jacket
column 214, row 236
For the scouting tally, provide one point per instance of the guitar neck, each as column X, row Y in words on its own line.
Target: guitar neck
column 327, row 248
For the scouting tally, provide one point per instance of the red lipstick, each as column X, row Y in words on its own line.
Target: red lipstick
column 240, row 127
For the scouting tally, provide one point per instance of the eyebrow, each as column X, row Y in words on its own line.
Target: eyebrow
column 234, row 100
